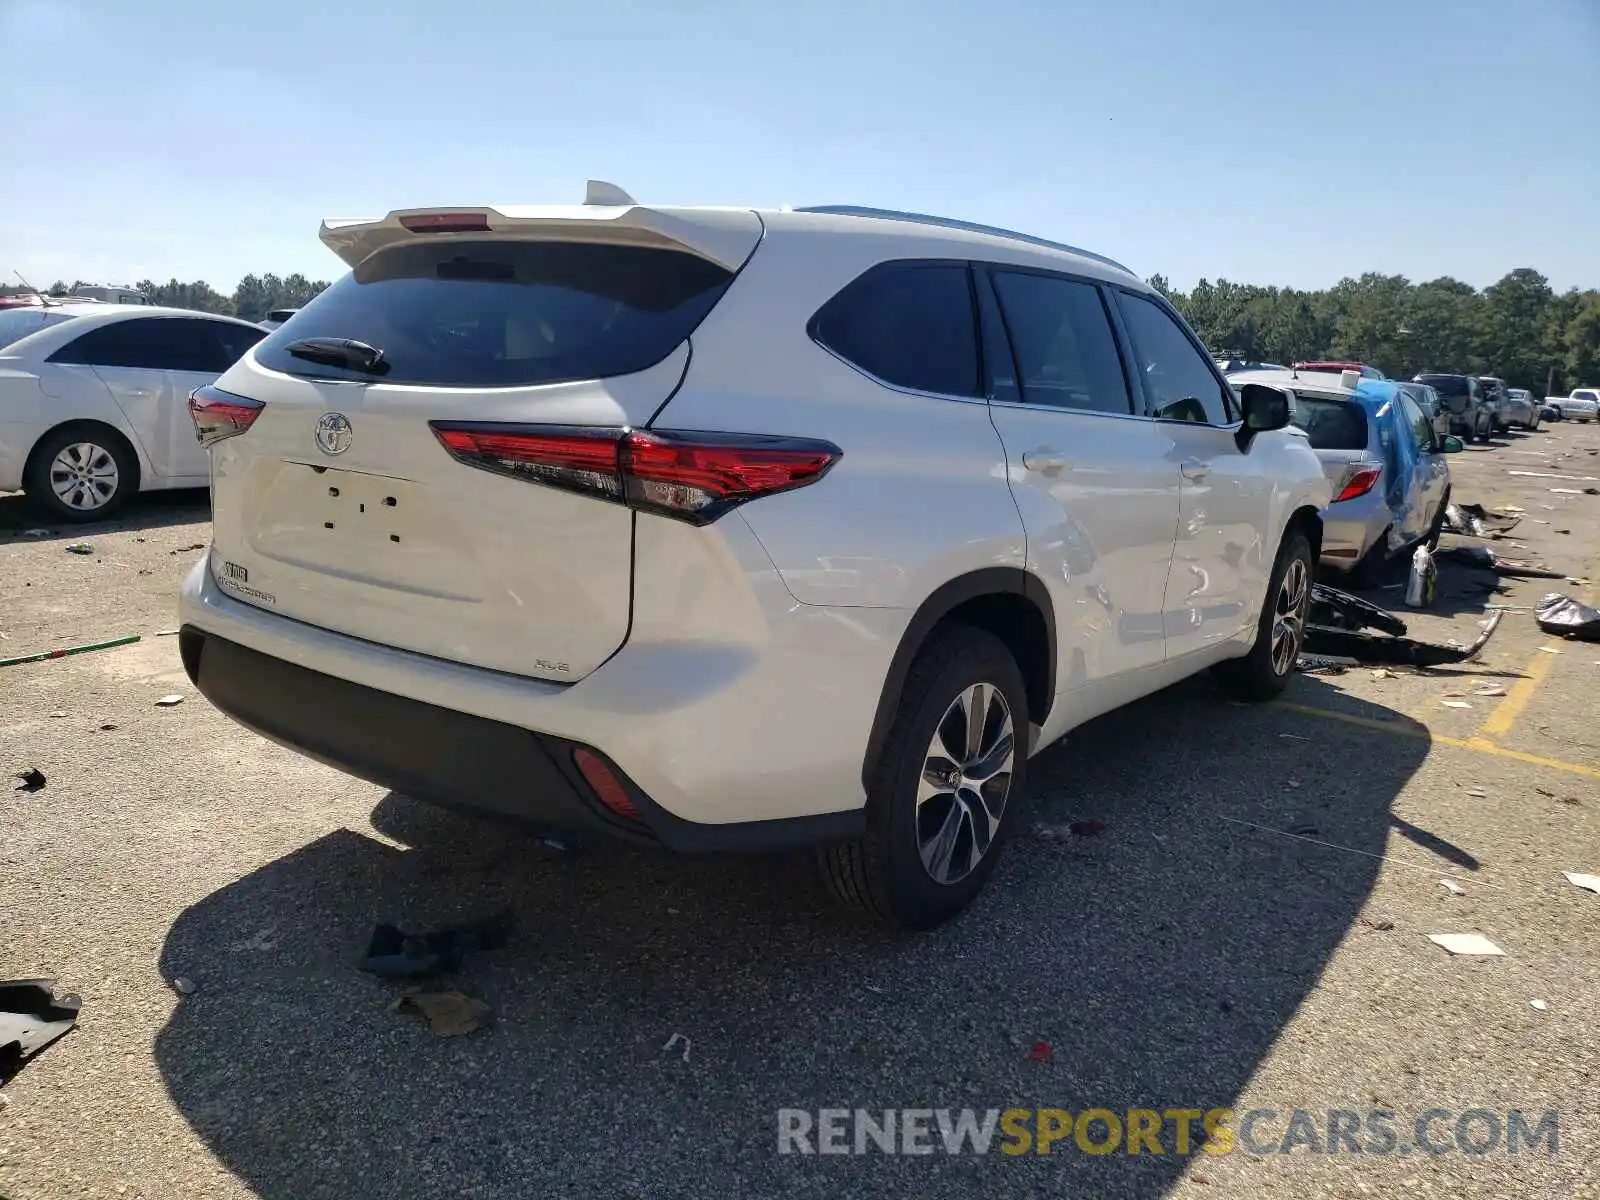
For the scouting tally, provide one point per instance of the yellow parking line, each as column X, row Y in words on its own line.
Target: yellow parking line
column 1477, row 744
column 1505, row 713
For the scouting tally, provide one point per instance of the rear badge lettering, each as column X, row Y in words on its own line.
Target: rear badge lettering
column 233, row 579
column 559, row 668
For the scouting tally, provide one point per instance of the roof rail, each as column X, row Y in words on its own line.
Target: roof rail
column 889, row 214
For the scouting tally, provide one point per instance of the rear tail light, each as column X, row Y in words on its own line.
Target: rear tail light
column 218, row 414
column 695, row 477
column 446, row 222
column 607, row 787
column 1359, row 483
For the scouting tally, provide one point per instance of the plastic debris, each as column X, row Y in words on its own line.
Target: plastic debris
column 58, row 714
column 400, row 955
column 31, row 1017
column 1422, row 580
column 1336, row 621
column 1385, row 673
column 1465, row 943
column 1592, row 882
column 1455, row 704
column 1538, row 1004
column 1478, row 792
column 1041, row 1053
column 1451, row 886
column 1566, row 617
column 170, row 701
column 33, row 780
column 674, row 1040
column 1489, row 689
column 1549, row 650
column 80, row 548
column 449, row 1014
column 185, row 986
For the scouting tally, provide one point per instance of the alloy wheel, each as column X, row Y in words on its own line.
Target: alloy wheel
column 84, row 476
column 1288, row 618
column 965, row 782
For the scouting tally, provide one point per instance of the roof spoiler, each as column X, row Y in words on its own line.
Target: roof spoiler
column 608, row 215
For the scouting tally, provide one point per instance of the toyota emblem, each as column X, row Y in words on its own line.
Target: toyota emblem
column 334, row 433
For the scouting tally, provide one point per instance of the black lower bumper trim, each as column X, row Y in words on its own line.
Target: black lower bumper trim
column 455, row 759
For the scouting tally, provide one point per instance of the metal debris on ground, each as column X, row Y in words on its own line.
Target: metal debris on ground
column 1423, row 579
column 449, row 1014
column 31, row 1017
column 1592, row 882
column 673, row 1041
column 400, row 955
column 33, row 780
column 1465, row 943
column 1566, row 617
column 42, row 655
column 1451, row 886
column 1336, row 623
column 169, row 701
column 1478, row 792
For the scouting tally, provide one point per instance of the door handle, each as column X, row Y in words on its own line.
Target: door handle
column 1047, row 460
column 1193, row 468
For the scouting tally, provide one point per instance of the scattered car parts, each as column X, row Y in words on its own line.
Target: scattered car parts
column 31, row 1017
column 1336, row 625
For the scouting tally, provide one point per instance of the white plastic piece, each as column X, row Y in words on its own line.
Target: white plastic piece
column 1465, row 943
column 1451, row 886
column 1592, row 882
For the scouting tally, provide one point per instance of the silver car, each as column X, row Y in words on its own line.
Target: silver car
column 1384, row 459
column 1524, row 408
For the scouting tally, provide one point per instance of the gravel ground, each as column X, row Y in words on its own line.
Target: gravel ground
column 1180, row 959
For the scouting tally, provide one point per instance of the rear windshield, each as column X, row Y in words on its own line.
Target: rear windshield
column 1331, row 424
column 506, row 314
column 1446, row 385
column 18, row 323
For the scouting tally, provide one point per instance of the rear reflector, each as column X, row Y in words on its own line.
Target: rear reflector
column 1359, row 483
column 218, row 414
column 607, row 787
column 446, row 222
column 692, row 476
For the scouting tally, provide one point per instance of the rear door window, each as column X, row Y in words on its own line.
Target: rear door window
column 506, row 313
column 1329, row 423
column 910, row 324
column 1066, row 353
column 133, row 344
column 1180, row 383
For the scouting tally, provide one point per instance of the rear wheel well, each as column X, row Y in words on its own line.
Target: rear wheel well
column 1308, row 521
column 99, row 429
column 1006, row 602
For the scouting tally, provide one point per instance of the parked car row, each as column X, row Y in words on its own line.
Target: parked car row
column 1583, row 404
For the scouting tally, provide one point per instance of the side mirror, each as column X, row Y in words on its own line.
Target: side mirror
column 1451, row 445
column 1265, row 408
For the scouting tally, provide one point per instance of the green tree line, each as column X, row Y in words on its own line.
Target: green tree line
column 1519, row 329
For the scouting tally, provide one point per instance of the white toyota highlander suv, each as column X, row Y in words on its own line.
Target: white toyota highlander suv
column 722, row 529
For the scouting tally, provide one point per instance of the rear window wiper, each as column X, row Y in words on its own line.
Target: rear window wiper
column 341, row 352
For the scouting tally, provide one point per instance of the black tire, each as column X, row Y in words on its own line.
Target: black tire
column 1436, row 529
column 107, row 446
column 1256, row 677
column 883, row 873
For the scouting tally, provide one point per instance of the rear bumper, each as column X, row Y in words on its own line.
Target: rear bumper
column 455, row 759
column 722, row 746
column 1350, row 528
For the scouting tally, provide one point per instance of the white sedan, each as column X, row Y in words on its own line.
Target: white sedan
column 94, row 400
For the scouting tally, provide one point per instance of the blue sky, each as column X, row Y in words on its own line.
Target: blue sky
column 1262, row 140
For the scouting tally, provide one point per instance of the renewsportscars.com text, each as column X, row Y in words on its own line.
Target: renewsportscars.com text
column 1258, row 1131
